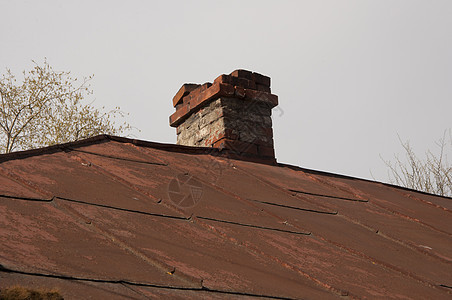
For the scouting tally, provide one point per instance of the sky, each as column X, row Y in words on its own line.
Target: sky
column 352, row 76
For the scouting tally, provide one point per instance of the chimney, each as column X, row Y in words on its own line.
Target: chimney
column 233, row 113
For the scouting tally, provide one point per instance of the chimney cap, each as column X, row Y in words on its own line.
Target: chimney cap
column 240, row 83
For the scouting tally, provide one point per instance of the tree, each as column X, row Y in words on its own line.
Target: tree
column 47, row 108
column 432, row 174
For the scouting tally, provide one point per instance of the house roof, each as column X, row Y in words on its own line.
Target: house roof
column 122, row 218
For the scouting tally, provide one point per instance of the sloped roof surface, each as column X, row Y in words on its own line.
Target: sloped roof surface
column 119, row 218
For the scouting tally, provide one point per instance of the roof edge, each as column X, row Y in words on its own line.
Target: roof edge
column 329, row 174
column 186, row 150
column 161, row 146
column 53, row 148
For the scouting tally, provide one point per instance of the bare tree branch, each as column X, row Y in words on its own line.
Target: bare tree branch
column 432, row 175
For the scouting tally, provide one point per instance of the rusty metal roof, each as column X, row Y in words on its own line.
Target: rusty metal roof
column 121, row 218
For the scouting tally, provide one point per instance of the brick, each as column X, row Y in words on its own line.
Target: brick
column 207, row 94
column 234, row 104
column 240, row 92
column 208, row 109
column 209, row 118
column 191, row 100
column 245, row 83
column 194, row 100
column 177, row 116
column 263, row 109
column 266, row 151
column 231, row 134
column 270, row 99
column 184, row 91
column 223, row 79
column 179, row 129
column 193, row 122
column 263, row 88
column 243, row 147
column 205, row 86
column 221, row 144
column 236, row 81
column 268, row 131
column 247, row 120
column 266, row 143
column 221, row 134
column 249, row 134
column 205, row 131
column 228, row 134
column 261, row 79
column 257, row 139
column 172, row 120
column 193, row 94
column 243, row 74
column 236, row 146
column 216, row 90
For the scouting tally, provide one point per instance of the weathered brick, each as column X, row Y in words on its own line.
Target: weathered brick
column 223, row 78
column 184, row 91
column 263, row 88
column 246, row 107
column 223, row 134
column 248, row 135
column 263, row 109
column 215, row 91
column 236, row 81
column 205, row 86
column 236, row 146
column 194, row 100
column 268, row 132
column 240, row 92
column 243, row 74
column 244, row 147
column 266, row 151
column 265, row 142
column 240, row 121
column 245, row 83
column 262, row 96
column 231, row 134
column 261, row 79
column 219, row 144
column 209, row 118
column 176, row 117
column 205, row 131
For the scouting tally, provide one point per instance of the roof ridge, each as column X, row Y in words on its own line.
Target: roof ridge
column 137, row 142
column 187, row 150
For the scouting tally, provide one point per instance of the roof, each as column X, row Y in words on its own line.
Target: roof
column 122, row 218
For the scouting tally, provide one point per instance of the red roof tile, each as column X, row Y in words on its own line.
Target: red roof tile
column 120, row 218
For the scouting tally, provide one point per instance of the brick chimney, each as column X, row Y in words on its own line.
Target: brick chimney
column 232, row 113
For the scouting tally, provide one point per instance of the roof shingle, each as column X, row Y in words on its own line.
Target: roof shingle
column 119, row 218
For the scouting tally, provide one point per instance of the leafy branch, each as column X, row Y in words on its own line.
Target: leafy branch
column 47, row 108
